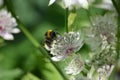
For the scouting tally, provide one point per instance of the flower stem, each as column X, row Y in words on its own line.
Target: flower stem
column 34, row 41
column 117, row 7
column 66, row 19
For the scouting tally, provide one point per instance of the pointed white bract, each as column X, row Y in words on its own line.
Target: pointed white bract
column 72, row 3
column 63, row 46
column 7, row 25
column 75, row 66
column 51, row 2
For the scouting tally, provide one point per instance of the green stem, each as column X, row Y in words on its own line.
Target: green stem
column 117, row 7
column 34, row 42
column 66, row 20
column 28, row 35
column 118, row 39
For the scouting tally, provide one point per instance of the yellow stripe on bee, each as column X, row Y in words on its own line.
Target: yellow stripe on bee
column 48, row 33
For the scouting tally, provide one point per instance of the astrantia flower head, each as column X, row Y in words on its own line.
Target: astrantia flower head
column 7, row 25
column 101, row 73
column 107, row 54
column 72, row 3
column 75, row 66
column 105, row 71
column 63, row 46
column 105, row 25
column 104, row 30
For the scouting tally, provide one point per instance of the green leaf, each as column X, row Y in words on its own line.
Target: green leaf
column 1, row 42
column 71, row 19
column 10, row 74
column 30, row 76
column 84, row 51
column 49, row 72
column 81, row 20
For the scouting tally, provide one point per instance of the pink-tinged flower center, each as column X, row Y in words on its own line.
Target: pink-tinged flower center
column 1, row 28
column 69, row 50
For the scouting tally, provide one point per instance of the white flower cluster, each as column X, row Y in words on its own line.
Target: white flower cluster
column 75, row 66
column 63, row 46
column 101, row 73
column 106, row 55
column 7, row 25
column 105, row 25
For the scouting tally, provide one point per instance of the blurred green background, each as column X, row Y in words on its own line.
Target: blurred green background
column 19, row 59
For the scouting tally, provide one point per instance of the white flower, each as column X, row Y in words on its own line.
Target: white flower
column 101, row 73
column 72, row 3
column 75, row 66
column 105, row 25
column 63, row 46
column 105, row 71
column 7, row 25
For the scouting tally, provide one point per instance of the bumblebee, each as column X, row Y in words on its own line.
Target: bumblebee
column 50, row 35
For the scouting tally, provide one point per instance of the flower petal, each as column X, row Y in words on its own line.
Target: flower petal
column 15, row 30
column 75, row 66
column 51, row 2
column 67, row 3
column 83, row 3
column 57, row 58
column 8, row 36
column 46, row 47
